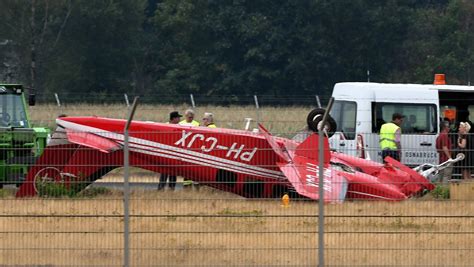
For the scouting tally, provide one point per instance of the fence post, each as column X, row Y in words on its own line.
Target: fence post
column 126, row 100
column 318, row 101
column 192, row 101
column 321, row 184
column 255, row 98
column 126, row 188
column 58, row 102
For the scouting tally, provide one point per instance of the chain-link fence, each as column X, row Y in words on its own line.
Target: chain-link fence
column 280, row 114
column 212, row 197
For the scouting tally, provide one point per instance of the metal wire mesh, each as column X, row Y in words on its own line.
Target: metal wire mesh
column 226, row 206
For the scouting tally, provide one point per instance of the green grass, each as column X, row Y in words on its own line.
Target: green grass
column 5, row 193
column 94, row 192
column 228, row 211
column 441, row 192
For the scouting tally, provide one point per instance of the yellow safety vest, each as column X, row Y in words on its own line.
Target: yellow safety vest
column 211, row 126
column 387, row 136
column 185, row 123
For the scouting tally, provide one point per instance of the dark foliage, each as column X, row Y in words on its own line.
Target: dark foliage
column 277, row 48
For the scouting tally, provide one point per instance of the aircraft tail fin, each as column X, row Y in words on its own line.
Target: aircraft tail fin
column 53, row 159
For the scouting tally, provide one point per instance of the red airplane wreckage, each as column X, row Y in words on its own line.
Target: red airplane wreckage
column 83, row 149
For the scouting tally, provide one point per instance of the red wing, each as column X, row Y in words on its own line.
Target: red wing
column 92, row 141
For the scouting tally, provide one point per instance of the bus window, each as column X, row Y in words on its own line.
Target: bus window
column 344, row 113
column 419, row 118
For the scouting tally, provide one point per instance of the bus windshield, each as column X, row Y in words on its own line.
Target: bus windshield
column 344, row 113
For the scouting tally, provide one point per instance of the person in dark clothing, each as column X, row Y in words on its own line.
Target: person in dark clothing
column 466, row 146
column 171, row 181
column 174, row 119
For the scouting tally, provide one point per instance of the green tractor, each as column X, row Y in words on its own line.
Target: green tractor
column 20, row 143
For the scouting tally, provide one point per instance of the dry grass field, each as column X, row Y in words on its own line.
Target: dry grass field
column 280, row 120
column 210, row 227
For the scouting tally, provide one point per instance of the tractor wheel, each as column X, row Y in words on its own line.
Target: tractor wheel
column 314, row 119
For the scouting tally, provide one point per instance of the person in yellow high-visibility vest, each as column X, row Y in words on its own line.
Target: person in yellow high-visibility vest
column 189, row 119
column 390, row 137
column 208, row 120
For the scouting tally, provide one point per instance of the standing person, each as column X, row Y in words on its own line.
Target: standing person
column 189, row 119
column 174, row 119
column 390, row 137
column 465, row 146
column 208, row 120
column 443, row 145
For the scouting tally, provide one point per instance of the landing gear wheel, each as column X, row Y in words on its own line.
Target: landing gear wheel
column 315, row 118
column 45, row 177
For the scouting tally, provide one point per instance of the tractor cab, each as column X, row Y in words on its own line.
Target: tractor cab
column 13, row 107
column 20, row 143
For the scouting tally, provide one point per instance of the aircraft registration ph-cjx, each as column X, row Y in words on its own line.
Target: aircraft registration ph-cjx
column 83, row 149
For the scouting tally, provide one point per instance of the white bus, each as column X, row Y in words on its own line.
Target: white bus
column 360, row 109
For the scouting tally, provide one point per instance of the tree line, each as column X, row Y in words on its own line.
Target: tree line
column 232, row 48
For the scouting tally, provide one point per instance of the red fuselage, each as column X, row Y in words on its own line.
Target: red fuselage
column 83, row 149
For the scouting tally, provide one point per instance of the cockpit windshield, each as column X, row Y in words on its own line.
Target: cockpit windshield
column 12, row 111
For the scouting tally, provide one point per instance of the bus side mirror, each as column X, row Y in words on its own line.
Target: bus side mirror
column 32, row 99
